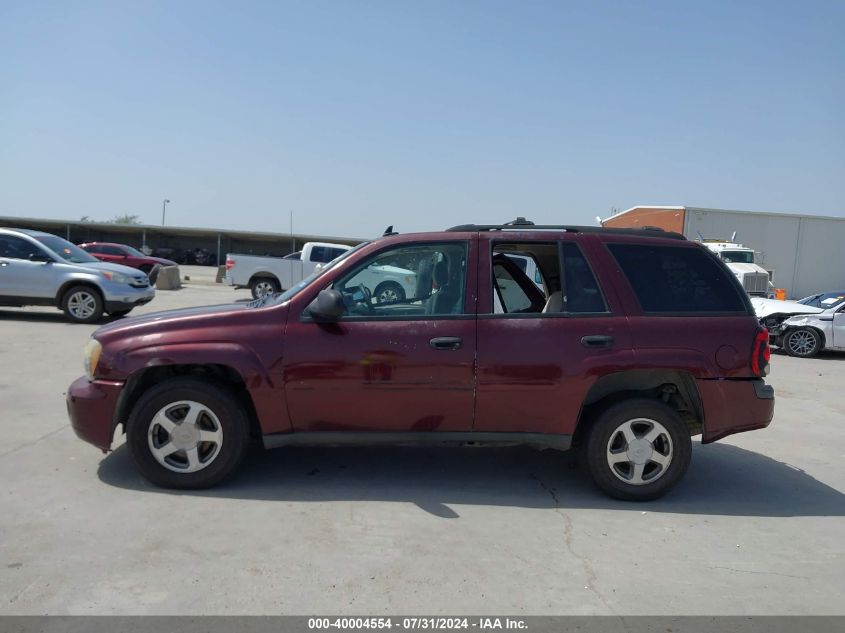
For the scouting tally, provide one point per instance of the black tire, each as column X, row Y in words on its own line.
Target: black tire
column 802, row 342
column 389, row 292
column 602, row 445
column 222, row 461
column 261, row 286
column 120, row 313
column 82, row 304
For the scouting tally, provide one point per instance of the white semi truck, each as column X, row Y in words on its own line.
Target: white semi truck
column 740, row 259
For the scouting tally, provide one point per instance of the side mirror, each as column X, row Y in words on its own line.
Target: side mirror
column 40, row 257
column 328, row 306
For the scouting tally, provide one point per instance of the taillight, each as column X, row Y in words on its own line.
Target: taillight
column 760, row 353
column 229, row 264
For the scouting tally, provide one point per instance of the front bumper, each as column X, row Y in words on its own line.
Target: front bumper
column 124, row 296
column 91, row 406
column 735, row 406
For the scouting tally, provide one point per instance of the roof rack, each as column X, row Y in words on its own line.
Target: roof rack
column 521, row 224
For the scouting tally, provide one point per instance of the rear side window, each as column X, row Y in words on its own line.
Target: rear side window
column 325, row 254
column 336, row 252
column 582, row 290
column 671, row 279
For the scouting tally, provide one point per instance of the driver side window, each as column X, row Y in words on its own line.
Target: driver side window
column 408, row 281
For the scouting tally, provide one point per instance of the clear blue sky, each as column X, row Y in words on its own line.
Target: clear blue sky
column 356, row 115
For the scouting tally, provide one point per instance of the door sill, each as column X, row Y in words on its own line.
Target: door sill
column 417, row 438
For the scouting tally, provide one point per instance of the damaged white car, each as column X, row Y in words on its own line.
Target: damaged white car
column 804, row 328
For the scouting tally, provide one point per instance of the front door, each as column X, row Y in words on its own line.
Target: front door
column 394, row 362
column 839, row 329
column 20, row 276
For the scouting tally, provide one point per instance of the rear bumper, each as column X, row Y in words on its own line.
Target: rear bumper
column 735, row 406
column 91, row 406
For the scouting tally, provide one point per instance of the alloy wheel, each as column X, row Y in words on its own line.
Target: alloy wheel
column 802, row 343
column 639, row 451
column 264, row 288
column 82, row 305
column 185, row 436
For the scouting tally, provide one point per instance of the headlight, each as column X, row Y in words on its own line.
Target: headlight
column 118, row 278
column 92, row 357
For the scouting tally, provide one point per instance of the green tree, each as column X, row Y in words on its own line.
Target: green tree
column 126, row 219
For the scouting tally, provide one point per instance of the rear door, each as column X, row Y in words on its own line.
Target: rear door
column 536, row 363
column 392, row 367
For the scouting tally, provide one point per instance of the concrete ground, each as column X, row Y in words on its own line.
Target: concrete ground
column 755, row 528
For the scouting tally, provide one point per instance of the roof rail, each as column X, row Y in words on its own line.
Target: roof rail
column 521, row 224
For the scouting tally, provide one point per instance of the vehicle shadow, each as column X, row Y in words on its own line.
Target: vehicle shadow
column 722, row 480
column 50, row 317
column 822, row 355
column 35, row 317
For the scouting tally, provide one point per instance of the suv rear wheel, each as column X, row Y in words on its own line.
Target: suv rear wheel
column 82, row 304
column 187, row 433
column 637, row 449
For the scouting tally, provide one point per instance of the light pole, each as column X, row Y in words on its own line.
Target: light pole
column 164, row 204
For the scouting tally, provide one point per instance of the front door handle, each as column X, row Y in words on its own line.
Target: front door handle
column 597, row 340
column 446, row 342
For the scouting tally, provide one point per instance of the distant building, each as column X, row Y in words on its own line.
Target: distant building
column 803, row 253
column 174, row 242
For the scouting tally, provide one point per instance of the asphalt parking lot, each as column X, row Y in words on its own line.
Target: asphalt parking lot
column 756, row 527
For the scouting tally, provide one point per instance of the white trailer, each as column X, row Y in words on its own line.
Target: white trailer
column 803, row 253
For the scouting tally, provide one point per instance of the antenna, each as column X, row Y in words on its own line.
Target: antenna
column 700, row 236
column 733, row 236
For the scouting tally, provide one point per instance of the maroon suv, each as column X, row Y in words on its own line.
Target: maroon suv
column 634, row 341
column 123, row 254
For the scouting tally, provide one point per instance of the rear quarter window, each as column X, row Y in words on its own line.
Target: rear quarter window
column 672, row 279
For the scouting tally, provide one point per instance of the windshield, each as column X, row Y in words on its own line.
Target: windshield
column 294, row 290
column 825, row 300
column 738, row 257
column 65, row 249
column 133, row 251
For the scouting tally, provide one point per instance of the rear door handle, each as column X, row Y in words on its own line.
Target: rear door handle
column 597, row 340
column 446, row 342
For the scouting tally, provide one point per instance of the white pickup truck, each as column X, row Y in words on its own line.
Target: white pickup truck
column 268, row 275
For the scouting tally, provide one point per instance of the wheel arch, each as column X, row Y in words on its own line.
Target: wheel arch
column 675, row 388
column 264, row 274
column 805, row 326
column 67, row 285
column 147, row 377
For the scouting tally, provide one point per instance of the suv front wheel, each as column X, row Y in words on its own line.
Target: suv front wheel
column 638, row 449
column 83, row 304
column 187, row 433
